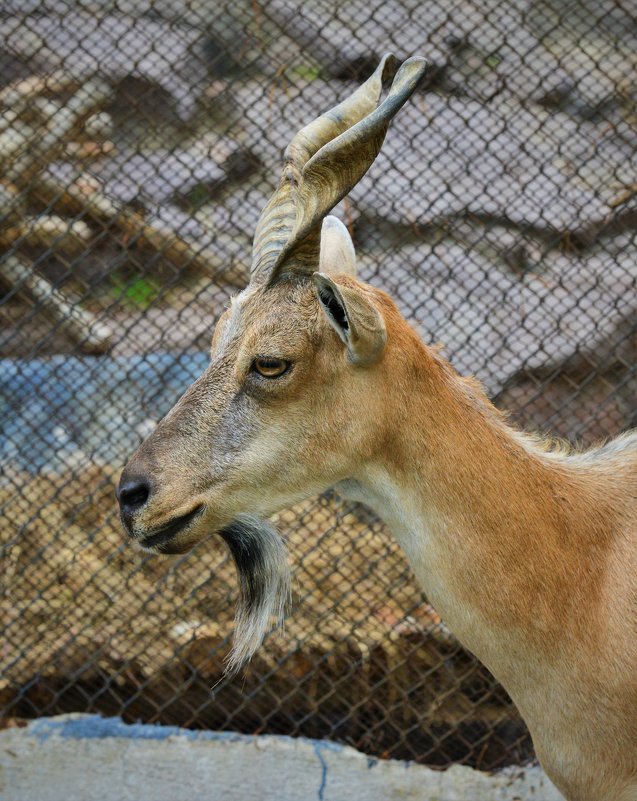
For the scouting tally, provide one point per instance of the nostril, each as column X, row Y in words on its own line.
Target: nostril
column 133, row 494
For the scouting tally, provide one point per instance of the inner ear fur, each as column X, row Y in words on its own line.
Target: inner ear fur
column 354, row 317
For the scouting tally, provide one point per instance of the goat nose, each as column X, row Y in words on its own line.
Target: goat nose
column 132, row 494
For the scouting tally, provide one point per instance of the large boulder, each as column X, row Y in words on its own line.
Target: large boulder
column 115, row 46
column 495, row 323
column 448, row 156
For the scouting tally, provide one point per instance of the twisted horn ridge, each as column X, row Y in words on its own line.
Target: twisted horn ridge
column 323, row 162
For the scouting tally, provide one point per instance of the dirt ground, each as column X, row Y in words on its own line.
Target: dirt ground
column 94, row 625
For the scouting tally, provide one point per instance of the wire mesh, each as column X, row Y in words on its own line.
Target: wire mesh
column 138, row 143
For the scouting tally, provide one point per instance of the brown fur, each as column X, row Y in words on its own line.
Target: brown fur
column 530, row 554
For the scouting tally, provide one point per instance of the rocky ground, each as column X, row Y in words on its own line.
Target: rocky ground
column 91, row 624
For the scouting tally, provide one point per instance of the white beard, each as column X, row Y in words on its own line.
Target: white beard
column 260, row 558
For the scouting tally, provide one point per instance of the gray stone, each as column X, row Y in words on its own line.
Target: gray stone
column 588, row 397
column 494, row 323
column 237, row 35
column 115, row 46
column 585, row 19
column 360, row 31
column 180, row 222
column 583, row 52
column 230, row 222
column 156, row 176
column 477, row 49
column 595, row 42
column 47, row 761
column 269, row 114
column 504, row 161
column 237, row 213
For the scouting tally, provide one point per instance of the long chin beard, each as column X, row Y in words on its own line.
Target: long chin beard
column 264, row 585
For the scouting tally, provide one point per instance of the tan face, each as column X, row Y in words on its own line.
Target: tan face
column 270, row 421
column 249, row 440
column 295, row 395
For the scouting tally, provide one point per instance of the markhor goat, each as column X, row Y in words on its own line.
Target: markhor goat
column 315, row 380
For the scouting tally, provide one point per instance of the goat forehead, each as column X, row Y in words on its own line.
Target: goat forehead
column 273, row 312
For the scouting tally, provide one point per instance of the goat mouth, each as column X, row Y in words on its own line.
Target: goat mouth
column 160, row 539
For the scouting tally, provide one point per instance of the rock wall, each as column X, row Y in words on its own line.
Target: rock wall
column 500, row 213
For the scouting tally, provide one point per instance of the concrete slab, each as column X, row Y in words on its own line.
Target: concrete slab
column 89, row 758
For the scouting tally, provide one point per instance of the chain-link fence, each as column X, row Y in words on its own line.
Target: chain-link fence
column 139, row 142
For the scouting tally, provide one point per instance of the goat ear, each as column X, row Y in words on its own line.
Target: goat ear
column 354, row 317
column 337, row 249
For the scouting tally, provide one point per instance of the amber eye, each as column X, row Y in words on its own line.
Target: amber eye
column 270, row 368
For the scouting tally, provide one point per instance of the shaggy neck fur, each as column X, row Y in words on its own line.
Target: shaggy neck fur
column 517, row 547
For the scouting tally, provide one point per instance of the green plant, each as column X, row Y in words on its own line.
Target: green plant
column 139, row 292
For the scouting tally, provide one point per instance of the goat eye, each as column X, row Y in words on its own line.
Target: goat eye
column 270, row 368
